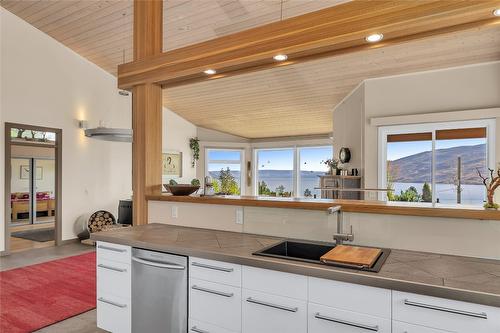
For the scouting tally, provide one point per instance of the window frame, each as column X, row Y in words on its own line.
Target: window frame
column 296, row 165
column 384, row 131
column 241, row 162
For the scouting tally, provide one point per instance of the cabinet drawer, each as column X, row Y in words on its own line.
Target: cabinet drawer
column 323, row 319
column 351, row 297
column 265, row 313
column 113, row 278
column 215, row 303
column 113, row 314
column 196, row 326
column 114, row 252
column 445, row 314
column 400, row 327
column 215, row 271
column 273, row 282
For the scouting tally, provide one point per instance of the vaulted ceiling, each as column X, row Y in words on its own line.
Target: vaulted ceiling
column 292, row 100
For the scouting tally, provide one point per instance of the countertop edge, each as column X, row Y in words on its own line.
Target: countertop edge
column 354, row 206
column 318, row 272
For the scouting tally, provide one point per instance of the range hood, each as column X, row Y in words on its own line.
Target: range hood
column 110, row 134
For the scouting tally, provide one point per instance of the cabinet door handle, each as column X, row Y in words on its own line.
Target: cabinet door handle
column 211, row 291
column 217, row 268
column 198, row 330
column 100, row 299
column 480, row 315
column 116, row 269
column 104, row 247
column 271, row 305
column 345, row 322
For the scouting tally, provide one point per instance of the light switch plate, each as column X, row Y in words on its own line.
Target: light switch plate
column 175, row 212
column 239, row 215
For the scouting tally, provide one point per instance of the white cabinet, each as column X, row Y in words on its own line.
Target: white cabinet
column 445, row 314
column 324, row 319
column 400, row 327
column 215, row 303
column 351, row 297
column 274, row 282
column 196, row 326
column 114, row 287
column 114, row 252
column 215, row 271
column 268, row 313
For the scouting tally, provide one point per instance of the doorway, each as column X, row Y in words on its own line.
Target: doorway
column 32, row 187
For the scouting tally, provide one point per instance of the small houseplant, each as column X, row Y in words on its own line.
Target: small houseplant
column 333, row 164
column 491, row 183
column 194, row 144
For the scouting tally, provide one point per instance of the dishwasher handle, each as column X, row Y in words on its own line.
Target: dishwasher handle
column 159, row 264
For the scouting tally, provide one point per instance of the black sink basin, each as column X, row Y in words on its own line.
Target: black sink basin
column 297, row 251
column 312, row 252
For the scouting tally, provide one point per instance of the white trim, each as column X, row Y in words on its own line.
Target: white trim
column 384, row 131
column 424, row 118
column 241, row 162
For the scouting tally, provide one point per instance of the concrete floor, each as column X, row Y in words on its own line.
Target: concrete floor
column 83, row 323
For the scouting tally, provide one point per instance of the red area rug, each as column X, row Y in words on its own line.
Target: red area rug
column 36, row 296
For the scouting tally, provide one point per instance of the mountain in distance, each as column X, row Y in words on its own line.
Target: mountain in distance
column 417, row 168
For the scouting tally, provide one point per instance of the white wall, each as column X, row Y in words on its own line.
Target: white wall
column 176, row 134
column 45, row 184
column 348, row 126
column 461, row 88
column 463, row 237
column 44, row 83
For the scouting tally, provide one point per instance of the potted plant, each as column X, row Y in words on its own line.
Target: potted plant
column 333, row 164
column 194, row 144
column 491, row 183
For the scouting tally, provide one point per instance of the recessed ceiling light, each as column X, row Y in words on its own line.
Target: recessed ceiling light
column 280, row 57
column 210, row 71
column 496, row 12
column 373, row 38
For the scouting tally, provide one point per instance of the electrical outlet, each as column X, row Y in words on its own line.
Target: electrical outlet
column 175, row 212
column 239, row 215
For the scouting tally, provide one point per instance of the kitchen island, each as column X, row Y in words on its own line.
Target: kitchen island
column 468, row 289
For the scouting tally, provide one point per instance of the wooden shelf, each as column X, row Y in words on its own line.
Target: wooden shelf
column 355, row 206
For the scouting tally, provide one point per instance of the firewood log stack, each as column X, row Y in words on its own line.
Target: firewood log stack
column 101, row 220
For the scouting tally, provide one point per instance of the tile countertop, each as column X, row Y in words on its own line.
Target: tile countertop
column 459, row 278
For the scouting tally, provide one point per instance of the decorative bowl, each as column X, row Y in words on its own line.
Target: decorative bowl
column 181, row 189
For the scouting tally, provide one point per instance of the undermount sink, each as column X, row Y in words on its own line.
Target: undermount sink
column 312, row 252
column 301, row 251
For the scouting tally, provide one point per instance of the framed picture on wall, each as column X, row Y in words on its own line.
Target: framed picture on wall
column 172, row 164
column 24, row 172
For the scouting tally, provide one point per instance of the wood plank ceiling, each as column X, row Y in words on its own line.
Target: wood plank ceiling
column 287, row 101
column 298, row 99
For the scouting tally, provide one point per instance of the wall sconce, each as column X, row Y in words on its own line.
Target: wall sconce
column 83, row 124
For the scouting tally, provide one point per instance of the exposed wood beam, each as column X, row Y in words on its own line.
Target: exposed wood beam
column 146, row 110
column 339, row 29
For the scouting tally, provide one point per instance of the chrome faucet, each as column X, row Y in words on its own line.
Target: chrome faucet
column 339, row 236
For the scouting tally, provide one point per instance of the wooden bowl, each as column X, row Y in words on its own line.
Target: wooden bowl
column 181, row 189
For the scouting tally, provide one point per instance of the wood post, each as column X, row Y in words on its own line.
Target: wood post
column 146, row 110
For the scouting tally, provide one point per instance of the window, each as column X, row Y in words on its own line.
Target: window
column 311, row 167
column 436, row 163
column 42, row 137
column 290, row 172
column 225, row 167
column 275, row 172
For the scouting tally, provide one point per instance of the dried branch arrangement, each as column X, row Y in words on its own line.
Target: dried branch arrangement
column 491, row 183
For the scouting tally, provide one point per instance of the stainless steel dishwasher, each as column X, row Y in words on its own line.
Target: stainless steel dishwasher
column 159, row 292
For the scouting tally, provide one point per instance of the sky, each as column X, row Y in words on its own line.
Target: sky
column 279, row 159
column 397, row 150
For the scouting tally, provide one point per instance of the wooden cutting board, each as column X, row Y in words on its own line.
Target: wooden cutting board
column 352, row 255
